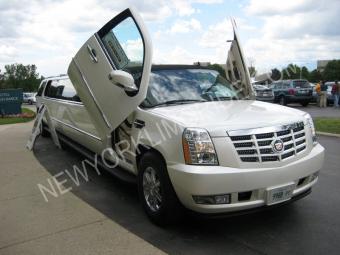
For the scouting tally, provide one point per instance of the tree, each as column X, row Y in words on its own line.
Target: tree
column 315, row 76
column 252, row 71
column 2, row 81
column 218, row 68
column 21, row 76
column 276, row 74
column 292, row 71
column 304, row 73
column 332, row 71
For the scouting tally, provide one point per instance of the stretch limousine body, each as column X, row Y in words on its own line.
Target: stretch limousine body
column 190, row 137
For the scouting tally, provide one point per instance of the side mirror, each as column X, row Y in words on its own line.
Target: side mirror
column 123, row 79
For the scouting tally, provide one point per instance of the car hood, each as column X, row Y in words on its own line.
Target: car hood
column 222, row 116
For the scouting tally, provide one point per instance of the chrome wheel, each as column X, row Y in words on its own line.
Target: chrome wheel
column 152, row 189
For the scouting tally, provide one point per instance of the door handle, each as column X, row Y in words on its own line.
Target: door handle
column 92, row 53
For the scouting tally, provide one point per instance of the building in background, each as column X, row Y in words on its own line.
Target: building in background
column 321, row 64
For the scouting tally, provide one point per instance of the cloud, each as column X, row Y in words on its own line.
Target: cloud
column 179, row 55
column 297, row 18
column 294, row 31
column 280, row 52
column 48, row 31
column 217, row 34
column 275, row 7
column 7, row 53
column 185, row 26
column 134, row 49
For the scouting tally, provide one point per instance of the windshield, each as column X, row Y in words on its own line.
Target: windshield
column 188, row 86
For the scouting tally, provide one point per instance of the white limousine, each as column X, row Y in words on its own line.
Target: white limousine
column 190, row 136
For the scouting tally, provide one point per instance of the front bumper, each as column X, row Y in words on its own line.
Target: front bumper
column 301, row 98
column 189, row 180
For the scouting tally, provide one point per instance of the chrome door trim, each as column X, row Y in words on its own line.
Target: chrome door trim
column 92, row 95
column 64, row 101
column 77, row 129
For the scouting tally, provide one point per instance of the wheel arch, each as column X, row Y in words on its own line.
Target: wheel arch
column 141, row 149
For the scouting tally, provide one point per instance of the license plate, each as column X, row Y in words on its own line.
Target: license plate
column 280, row 194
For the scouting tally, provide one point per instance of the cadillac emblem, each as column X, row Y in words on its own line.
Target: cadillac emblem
column 277, row 146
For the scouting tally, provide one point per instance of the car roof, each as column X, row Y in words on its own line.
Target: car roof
column 176, row 67
column 59, row 77
column 153, row 68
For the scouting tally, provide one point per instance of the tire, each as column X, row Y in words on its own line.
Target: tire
column 282, row 100
column 305, row 104
column 166, row 210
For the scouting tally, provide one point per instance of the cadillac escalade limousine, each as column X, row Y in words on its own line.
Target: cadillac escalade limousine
column 189, row 136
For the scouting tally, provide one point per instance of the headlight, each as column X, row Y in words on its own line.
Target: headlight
column 198, row 148
column 310, row 123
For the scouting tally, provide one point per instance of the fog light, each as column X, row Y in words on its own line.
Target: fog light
column 212, row 200
column 315, row 175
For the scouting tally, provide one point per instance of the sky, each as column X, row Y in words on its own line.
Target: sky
column 273, row 33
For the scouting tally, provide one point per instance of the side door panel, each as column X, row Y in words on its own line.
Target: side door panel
column 112, row 48
column 236, row 67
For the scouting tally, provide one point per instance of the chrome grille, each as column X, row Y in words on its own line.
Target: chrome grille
column 255, row 145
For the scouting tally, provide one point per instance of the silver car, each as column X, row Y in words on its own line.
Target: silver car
column 264, row 93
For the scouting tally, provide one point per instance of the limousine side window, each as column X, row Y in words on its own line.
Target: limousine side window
column 41, row 89
column 61, row 89
column 68, row 92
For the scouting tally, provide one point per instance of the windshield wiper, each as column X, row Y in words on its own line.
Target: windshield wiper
column 224, row 98
column 178, row 101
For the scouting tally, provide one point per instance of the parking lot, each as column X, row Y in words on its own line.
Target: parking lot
column 103, row 215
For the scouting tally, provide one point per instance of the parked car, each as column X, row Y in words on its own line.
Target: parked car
column 330, row 97
column 263, row 93
column 29, row 98
column 314, row 93
column 292, row 91
column 189, row 137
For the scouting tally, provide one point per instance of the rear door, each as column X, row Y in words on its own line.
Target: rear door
column 236, row 67
column 123, row 44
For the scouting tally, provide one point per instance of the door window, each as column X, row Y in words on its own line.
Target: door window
column 125, row 47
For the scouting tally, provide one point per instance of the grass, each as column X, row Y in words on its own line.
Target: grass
column 329, row 125
column 13, row 120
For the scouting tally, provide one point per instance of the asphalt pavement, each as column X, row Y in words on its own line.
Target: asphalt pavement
column 315, row 111
column 104, row 216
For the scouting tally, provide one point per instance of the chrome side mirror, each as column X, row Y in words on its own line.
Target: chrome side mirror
column 124, row 80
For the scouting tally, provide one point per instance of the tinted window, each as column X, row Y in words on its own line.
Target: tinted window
column 51, row 89
column 301, row 84
column 41, row 88
column 62, row 89
column 68, row 92
column 278, row 85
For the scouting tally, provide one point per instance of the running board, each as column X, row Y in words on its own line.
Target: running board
column 117, row 172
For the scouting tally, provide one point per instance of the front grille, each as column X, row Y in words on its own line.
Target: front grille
column 257, row 147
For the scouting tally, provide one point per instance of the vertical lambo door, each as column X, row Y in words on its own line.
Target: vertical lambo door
column 236, row 67
column 111, row 70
